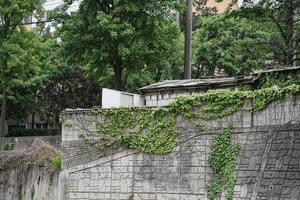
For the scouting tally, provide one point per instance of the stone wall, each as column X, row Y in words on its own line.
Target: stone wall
column 268, row 163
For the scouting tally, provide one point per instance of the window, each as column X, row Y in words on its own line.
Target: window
column 38, row 126
column 27, row 20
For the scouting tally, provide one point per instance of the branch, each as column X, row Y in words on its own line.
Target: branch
column 278, row 25
column 295, row 21
column 273, row 44
column 296, row 59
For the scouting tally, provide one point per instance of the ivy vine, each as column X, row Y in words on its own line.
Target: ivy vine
column 279, row 79
column 223, row 159
column 153, row 130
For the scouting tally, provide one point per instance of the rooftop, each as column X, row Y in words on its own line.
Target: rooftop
column 214, row 82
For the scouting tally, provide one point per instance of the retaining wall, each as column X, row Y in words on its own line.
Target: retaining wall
column 23, row 143
column 268, row 163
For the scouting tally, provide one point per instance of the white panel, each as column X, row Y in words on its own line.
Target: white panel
column 126, row 100
column 114, row 98
column 110, row 98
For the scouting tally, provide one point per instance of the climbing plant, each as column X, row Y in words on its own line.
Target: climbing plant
column 153, row 130
column 279, row 79
column 223, row 161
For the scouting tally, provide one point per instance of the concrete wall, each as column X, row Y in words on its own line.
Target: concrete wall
column 29, row 184
column 268, row 163
column 23, row 143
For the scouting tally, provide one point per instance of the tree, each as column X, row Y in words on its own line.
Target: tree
column 229, row 43
column 108, row 38
column 67, row 88
column 285, row 17
column 20, row 51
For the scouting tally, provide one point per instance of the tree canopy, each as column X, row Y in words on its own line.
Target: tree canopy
column 110, row 39
column 285, row 17
column 229, row 43
column 20, row 52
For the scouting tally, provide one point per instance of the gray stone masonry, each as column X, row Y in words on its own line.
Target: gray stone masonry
column 268, row 163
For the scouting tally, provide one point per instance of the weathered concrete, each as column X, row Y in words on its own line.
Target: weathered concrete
column 23, row 143
column 268, row 163
column 29, row 184
column 24, row 182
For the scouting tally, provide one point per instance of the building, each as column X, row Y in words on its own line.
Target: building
column 160, row 94
column 30, row 21
column 221, row 6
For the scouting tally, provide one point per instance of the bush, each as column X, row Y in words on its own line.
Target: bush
column 56, row 161
column 8, row 147
column 21, row 132
column 2, row 167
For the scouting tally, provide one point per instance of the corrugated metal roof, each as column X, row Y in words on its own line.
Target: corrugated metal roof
column 210, row 82
column 191, row 83
column 276, row 70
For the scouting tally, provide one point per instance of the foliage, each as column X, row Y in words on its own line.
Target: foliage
column 278, row 79
column 229, row 43
column 40, row 154
column 56, row 161
column 67, row 88
column 153, row 130
column 3, row 167
column 8, row 147
column 120, row 38
column 131, row 197
column 20, row 194
column 21, row 52
column 263, row 97
column 32, row 192
column 284, row 16
column 222, row 159
column 22, row 132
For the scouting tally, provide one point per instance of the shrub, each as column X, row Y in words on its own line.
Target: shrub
column 56, row 161
column 21, row 132
column 3, row 167
column 8, row 147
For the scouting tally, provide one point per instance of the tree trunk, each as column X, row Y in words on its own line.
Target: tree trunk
column 118, row 78
column 3, row 114
column 188, row 41
column 32, row 120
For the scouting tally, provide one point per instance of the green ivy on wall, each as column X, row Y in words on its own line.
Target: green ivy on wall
column 153, row 130
column 279, row 79
column 223, row 159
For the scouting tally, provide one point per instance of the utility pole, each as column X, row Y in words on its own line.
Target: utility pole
column 296, row 51
column 188, row 41
column 177, row 18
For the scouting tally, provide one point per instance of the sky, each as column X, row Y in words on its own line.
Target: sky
column 51, row 4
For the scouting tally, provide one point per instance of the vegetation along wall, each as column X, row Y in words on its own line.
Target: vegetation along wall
column 30, row 168
column 229, row 144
